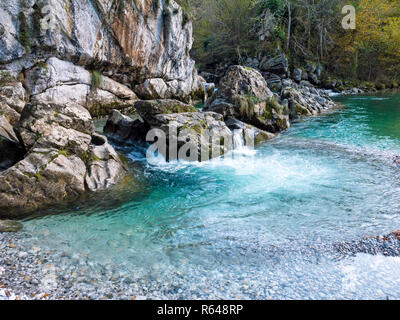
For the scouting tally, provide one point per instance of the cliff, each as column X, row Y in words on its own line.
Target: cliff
column 125, row 49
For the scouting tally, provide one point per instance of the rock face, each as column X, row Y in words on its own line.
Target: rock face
column 305, row 100
column 199, row 136
column 63, row 61
column 11, row 150
column 149, row 109
column 123, row 128
column 143, row 44
column 61, row 82
column 244, row 94
column 191, row 136
column 64, row 158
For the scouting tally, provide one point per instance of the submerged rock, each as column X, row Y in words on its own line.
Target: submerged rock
column 10, row 226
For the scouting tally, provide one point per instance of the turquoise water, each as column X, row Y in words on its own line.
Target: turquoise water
column 257, row 225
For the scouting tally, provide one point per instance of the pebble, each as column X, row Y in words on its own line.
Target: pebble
column 30, row 272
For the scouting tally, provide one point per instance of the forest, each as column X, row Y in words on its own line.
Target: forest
column 232, row 31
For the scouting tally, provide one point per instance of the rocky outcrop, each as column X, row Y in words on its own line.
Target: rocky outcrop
column 11, row 150
column 61, row 82
column 198, row 136
column 149, row 109
column 63, row 61
column 278, row 64
column 250, row 135
column 304, row 99
column 244, row 94
column 122, row 128
column 133, row 43
column 64, row 158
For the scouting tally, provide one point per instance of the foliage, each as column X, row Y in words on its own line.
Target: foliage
column 97, row 79
column 230, row 31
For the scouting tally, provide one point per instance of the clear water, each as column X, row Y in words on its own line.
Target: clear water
column 260, row 224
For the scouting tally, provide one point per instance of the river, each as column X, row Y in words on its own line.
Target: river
column 260, row 224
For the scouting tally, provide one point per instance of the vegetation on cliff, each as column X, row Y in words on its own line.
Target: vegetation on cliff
column 232, row 31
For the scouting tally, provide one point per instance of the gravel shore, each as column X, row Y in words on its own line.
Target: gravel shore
column 31, row 273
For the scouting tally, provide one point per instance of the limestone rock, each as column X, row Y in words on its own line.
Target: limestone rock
column 61, row 82
column 104, row 166
column 123, row 128
column 64, row 159
column 13, row 94
column 199, row 136
column 130, row 44
column 152, row 89
column 244, row 94
column 9, row 113
column 252, row 136
column 149, row 109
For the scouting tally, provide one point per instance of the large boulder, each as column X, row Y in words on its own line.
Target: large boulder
column 122, row 128
column 149, row 109
column 198, row 136
column 278, row 64
column 305, row 100
column 61, row 82
column 191, row 136
column 248, row 134
column 64, row 158
column 244, row 94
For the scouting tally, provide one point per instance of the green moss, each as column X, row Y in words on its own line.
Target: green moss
column 63, row 153
column 97, row 79
column 37, row 16
column 95, row 158
column 24, row 33
column 6, row 78
column 197, row 128
column 301, row 111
